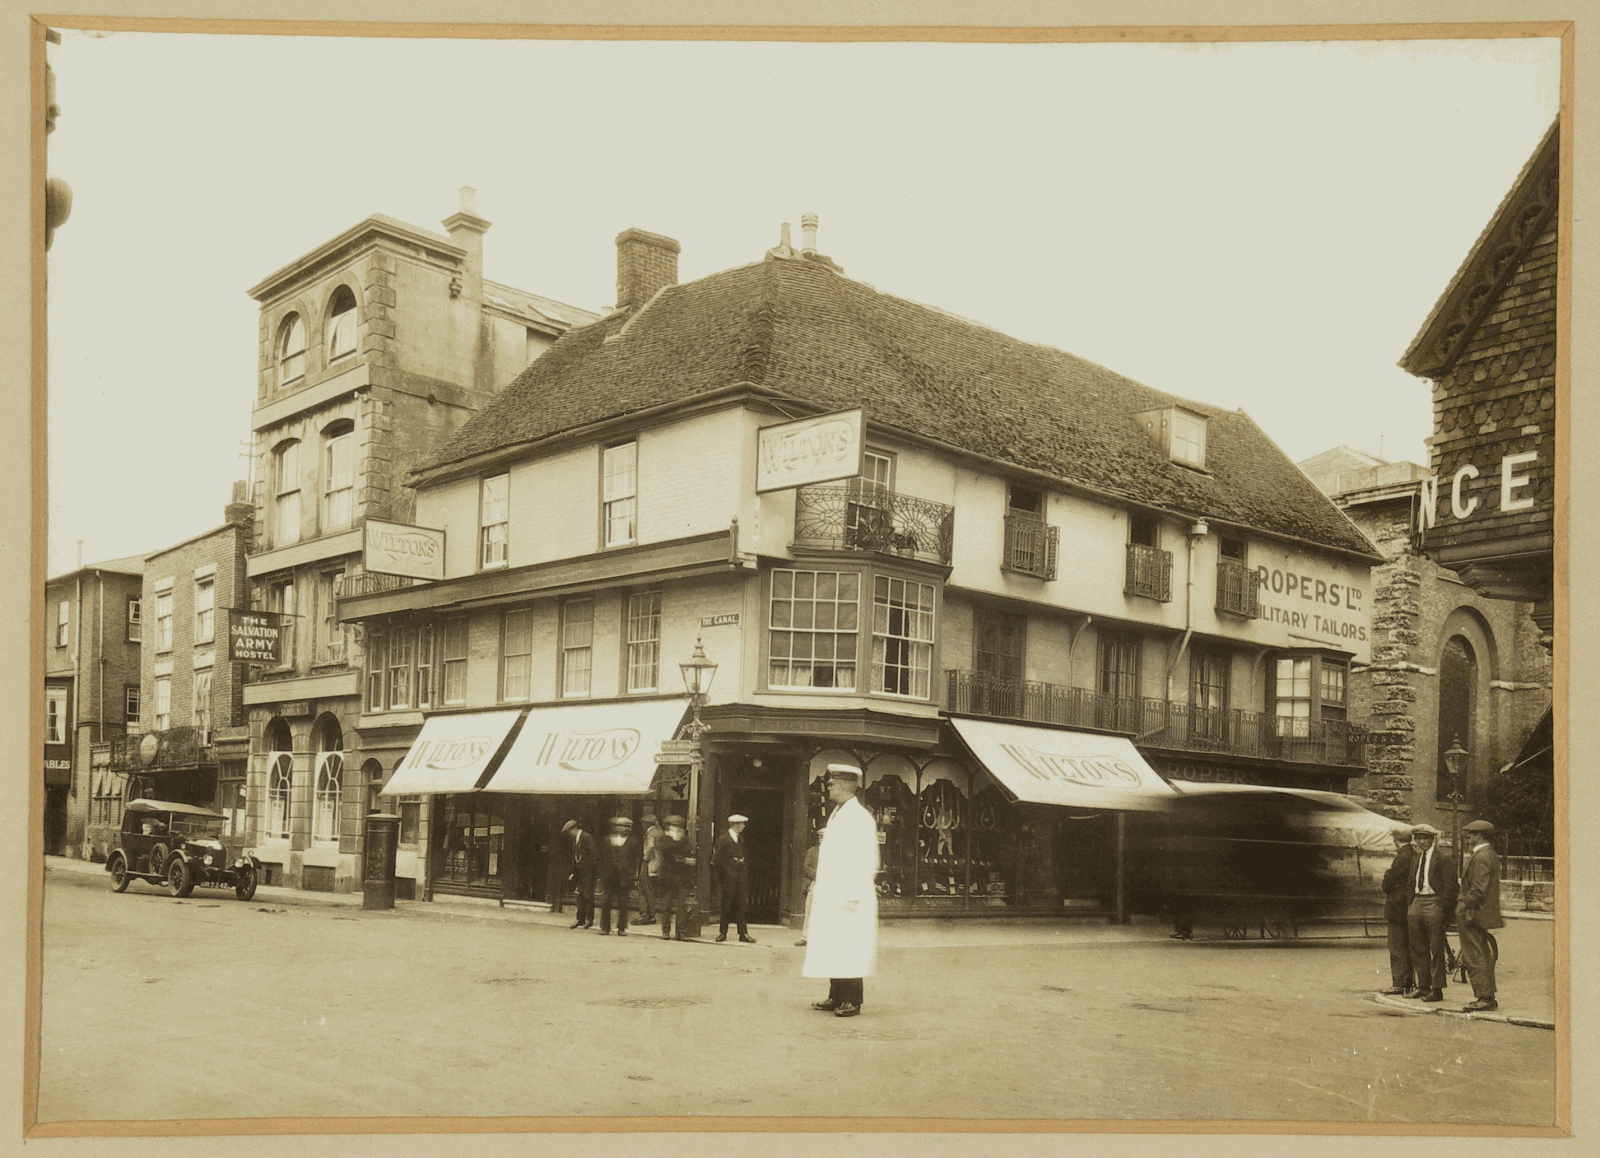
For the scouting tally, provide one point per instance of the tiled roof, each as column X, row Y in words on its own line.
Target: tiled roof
column 798, row 328
column 129, row 565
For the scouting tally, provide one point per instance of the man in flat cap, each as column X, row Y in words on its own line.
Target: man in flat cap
column 677, row 876
column 842, row 942
column 730, row 860
column 1433, row 888
column 1397, row 885
column 619, row 861
column 1478, row 911
column 582, row 854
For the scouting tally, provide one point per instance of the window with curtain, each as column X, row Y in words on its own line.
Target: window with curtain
column 902, row 636
column 813, row 629
column 339, row 476
column 341, row 323
column 517, row 656
column 286, row 483
column 402, row 654
column 644, row 641
column 577, row 646
column 453, row 657
column 1291, row 707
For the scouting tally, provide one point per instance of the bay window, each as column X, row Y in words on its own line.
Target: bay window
column 902, row 636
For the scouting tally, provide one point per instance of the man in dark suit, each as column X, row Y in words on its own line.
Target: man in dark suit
column 677, row 877
column 1434, row 887
column 1478, row 911
column 582, row 855
column 619, row 862
column 729, row 857
column 1397, row 887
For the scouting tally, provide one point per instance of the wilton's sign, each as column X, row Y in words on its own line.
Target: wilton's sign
column 609, row 748
column 400, row 549
column 823, row 449
column 1094, row 771
column 452, row 753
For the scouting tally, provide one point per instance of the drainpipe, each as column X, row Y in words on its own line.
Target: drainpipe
column 1196, row 531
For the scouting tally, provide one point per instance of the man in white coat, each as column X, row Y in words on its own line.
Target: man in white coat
column 842, row 944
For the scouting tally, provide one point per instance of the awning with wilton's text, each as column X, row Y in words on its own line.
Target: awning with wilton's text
column 453, row 753
column 1073, row 769
column 605, row 748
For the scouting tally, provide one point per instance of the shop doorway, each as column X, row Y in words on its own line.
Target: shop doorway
column 469, row 844
column 764, row 806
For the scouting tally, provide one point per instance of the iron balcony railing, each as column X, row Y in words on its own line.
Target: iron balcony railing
column 1160, row 723
column 1030, row 547
column 1149, row 572
column 173, row 748
column 1528, row 869
column 864, row 518
column 1236, row 589
column 369, row 583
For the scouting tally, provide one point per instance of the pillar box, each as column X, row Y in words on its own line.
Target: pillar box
column 377, row 877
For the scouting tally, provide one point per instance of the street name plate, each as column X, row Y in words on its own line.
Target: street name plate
column 677, row 745
column 672, row 758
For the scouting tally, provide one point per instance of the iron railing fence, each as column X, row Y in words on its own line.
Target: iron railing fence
column 1149, row 572
column 1528, row 869
column 370, row 583
column 1160, row 723
column 1237, row 592
column 174, row 748
column 863, row 518
column 1030, row 546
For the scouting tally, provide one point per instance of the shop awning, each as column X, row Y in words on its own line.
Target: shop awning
column 452, row 753
column 1075, row 769
column 589, row 748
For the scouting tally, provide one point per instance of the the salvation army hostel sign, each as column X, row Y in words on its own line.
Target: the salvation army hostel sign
column 399, row 549
column 826, row 448
column 1313, row 601
column 256, row 637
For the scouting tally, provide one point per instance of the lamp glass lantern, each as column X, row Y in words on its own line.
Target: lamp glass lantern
column 698, row 672
column 1455, row 759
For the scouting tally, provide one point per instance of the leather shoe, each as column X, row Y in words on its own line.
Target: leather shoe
column 721, row 937
column 1481, row 1005
column 801, row 941
column 666, row 936
column 1417, row 994
column 847, row 1010
column 828, row 1006
column 577, row 924
column 1397, row 991
column 622, row 932
column 680, row 937
column 1434, row 995
column 605, row 932
column 747, row 940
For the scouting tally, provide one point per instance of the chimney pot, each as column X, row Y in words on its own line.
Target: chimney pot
column 469, row 199
column 783, row 236
column 808, row 233
column 646, row 262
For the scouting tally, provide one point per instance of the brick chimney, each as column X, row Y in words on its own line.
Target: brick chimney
column 645, row 263
column 240, row 509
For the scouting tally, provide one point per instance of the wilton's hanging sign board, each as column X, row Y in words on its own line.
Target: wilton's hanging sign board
column 826, row 448
column 401, row 549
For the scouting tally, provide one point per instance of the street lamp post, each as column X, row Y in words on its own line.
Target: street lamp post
column 698, row 672
column 1454, row 761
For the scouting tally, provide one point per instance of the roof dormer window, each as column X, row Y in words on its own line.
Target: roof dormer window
column 1180, row 434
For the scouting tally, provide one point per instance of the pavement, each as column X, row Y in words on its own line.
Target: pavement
column 304, row 1004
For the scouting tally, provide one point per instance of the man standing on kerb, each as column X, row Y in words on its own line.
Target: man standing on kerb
column 842, row 944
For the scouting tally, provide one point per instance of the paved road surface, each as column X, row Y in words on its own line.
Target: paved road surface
column 157, row 1008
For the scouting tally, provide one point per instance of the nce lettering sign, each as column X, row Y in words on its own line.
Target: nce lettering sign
column 1303, row 602
column 255, row 637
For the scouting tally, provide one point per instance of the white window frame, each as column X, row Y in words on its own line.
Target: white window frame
column 1188, row 439
column 422, row 681
column 135, row 618
column 453, row 649
column 341, row 327
column 286, row 483
column 577, row 649
column 332, row 642
column 63, row 622
column 620, row 493
column 201, row 708
column 644, row 641
column 327, row 797
column 903, row 636
column 494, row 521
column 400, row 682
column 162, row 719
column 290, row 350
column 55, row 715
column 516, row 655
column 339, row 481
column 280, row 795
column 164, row 620
column 205, row 611
column 791, row 627
column 377, row 670
column 131, row 702
column 1296, row 720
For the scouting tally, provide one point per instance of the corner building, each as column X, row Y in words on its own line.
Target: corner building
column 375, row 348
column 1046, row 582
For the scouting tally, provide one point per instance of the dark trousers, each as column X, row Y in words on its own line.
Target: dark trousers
column 647, row 894
column 1479, row 960
column 845, row 991
column 614, row 893
column 585, row 881
column 1426, row 929
column 1400, row 968
column 674, row 898
column 735, row 891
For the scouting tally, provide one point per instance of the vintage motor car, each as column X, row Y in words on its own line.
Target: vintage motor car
column 181, row 846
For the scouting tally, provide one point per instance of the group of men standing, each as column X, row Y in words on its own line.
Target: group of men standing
column 661, row 863
column 1423, row 894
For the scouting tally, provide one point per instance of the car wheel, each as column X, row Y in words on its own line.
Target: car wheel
column 244, row 886
column 179, row 881
column 158, row 861
column 119, row 873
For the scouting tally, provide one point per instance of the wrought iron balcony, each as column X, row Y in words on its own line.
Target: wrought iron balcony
column 1149, row 572
column 1160, row 724
column 370, row 583
column 173, row 748
column 1236, row 589
column 863, row 518
column 1030, row 547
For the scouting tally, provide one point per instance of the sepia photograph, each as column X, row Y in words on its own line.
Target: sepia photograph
column 709, row 580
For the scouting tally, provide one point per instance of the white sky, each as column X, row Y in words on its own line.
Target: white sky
column 1258, row 226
